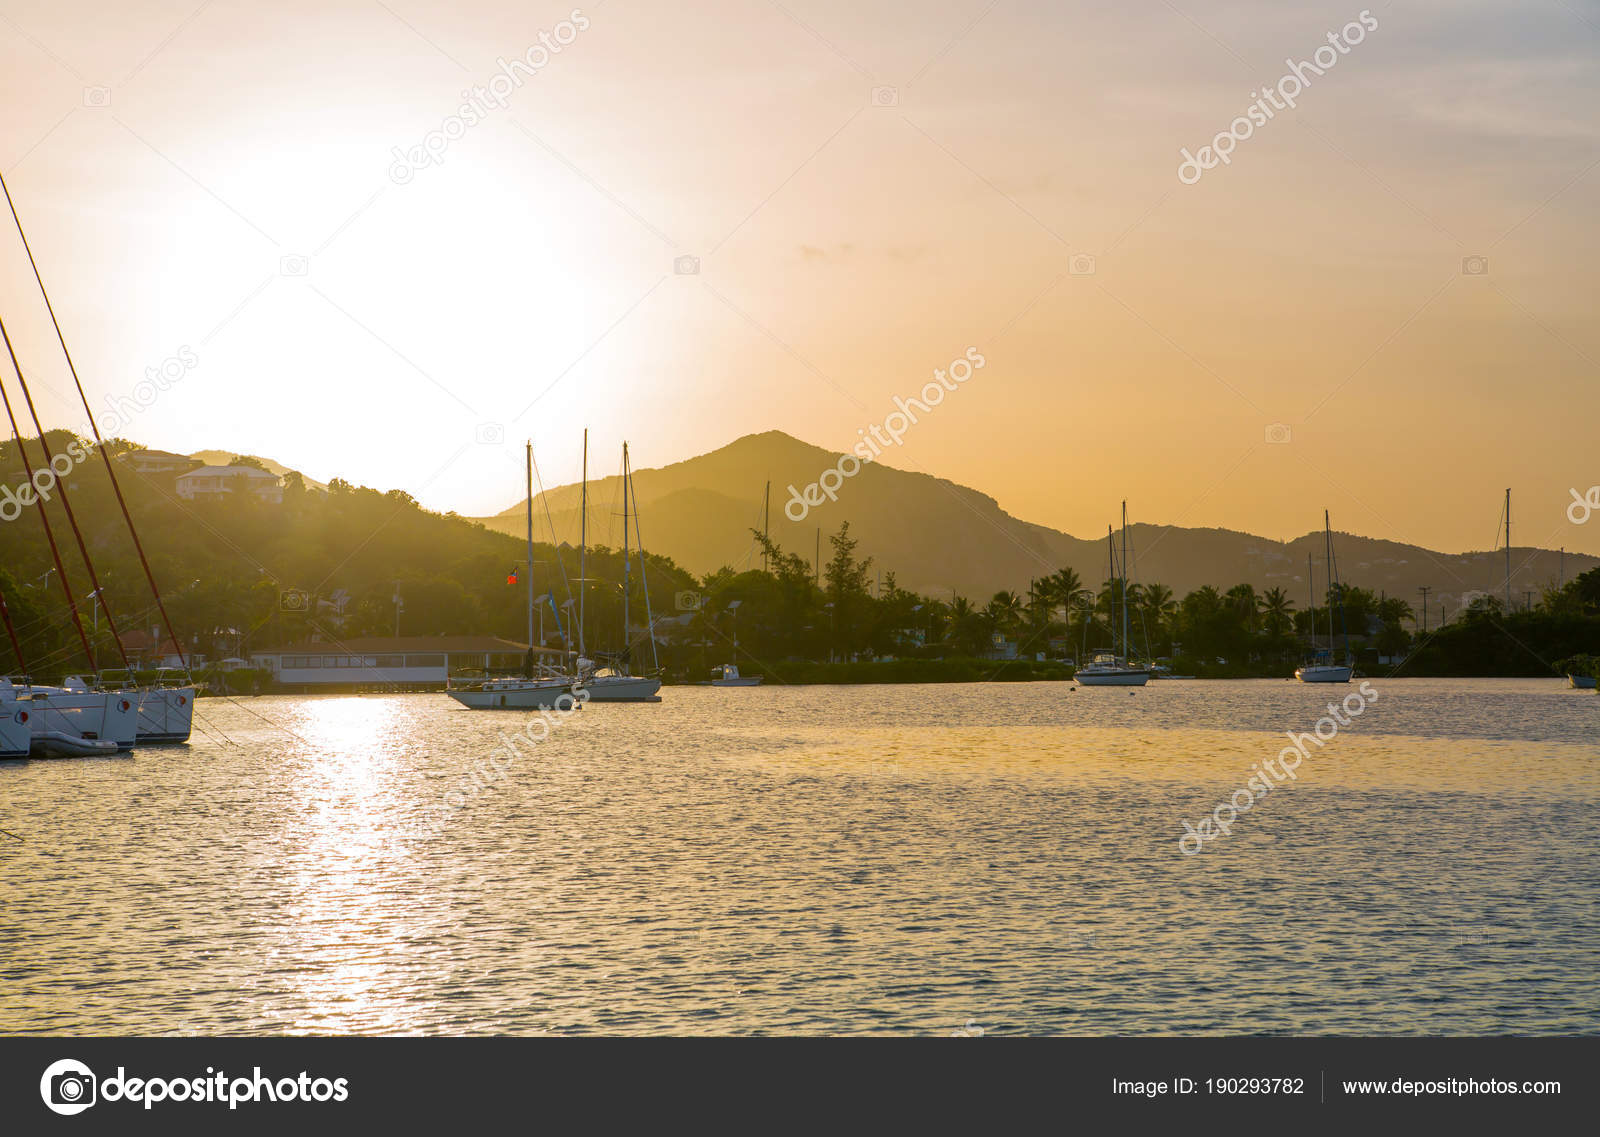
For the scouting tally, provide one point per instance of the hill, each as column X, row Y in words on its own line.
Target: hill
column 938, row 536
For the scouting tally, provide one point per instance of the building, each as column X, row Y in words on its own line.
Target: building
column 157, row 462
column 407, row 662
column 215, row 483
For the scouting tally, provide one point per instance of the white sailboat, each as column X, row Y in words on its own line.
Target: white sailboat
column 535, row 690
column 1320, row 671
column 613, row 683
column 59, row 718
column 1107, row 668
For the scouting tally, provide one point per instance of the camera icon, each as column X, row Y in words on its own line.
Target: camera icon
column 294, row 600
column 689, row 601
column 885, row 96
column 1474, row 266
column 67, row 1087
column 686, row 265
column 294, row 265
column 1279, row 434
column 1082, row 264
column 490, row 434
column 97, row 96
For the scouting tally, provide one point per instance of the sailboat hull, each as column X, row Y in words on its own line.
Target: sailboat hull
column 533, row 697
column 1128, row 678
column 1327, row 673
column 166, row 714
column 621, row 689
column 15, row 737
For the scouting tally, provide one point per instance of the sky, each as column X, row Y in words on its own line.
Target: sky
column 679, row 224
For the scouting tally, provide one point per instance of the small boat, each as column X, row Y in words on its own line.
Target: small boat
column 1582, row 682
column 65, row 744
column 1162, row 671
column 728, row 676
column 513, row 694
column 1323, row 668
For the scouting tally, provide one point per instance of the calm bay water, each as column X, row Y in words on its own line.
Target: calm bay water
column 820, row 860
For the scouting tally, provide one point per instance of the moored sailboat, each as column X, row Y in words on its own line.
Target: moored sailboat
column 1322, row 668
column 535, row 689
column 613, row 683
column 1107, row 668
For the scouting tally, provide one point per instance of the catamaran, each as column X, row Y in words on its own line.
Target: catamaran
column 613, row 683
column 537, row 688
column 59, row 717
column 1322, row 668
column 1107, row 668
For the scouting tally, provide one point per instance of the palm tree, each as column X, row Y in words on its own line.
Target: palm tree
column 1276, row 611
column 1067, row 590
column 1005, row 609
column 1159, row 608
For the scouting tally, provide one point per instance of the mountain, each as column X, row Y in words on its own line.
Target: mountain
column 937, row 536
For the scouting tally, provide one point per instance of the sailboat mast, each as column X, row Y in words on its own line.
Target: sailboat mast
column 1124, row 579
column 1327, row 551
column 1311, row 588
column 766, row 524
column 583, row 541
column 530, row 558
column 1111, row 559
column 625, row 575
column 1508, row 551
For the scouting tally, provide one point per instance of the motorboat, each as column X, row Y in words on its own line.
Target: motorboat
column 728, row 676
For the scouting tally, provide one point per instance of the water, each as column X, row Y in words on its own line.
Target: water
column 820, row 860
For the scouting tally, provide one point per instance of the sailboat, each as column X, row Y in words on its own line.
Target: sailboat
column 533, row 690
column 613, row 684
column 1318, row 671
column 1107, row 668
column 164, row 711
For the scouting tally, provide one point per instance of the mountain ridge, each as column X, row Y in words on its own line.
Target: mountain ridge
column 940, row 537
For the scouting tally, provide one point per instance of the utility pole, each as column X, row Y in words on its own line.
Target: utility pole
column 1425, row 589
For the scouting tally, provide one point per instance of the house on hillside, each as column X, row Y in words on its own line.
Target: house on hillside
column 215, row 483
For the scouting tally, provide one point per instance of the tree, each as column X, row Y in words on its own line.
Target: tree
column 847, row 591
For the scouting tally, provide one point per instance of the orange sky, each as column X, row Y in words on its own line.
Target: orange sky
column 870, row 190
